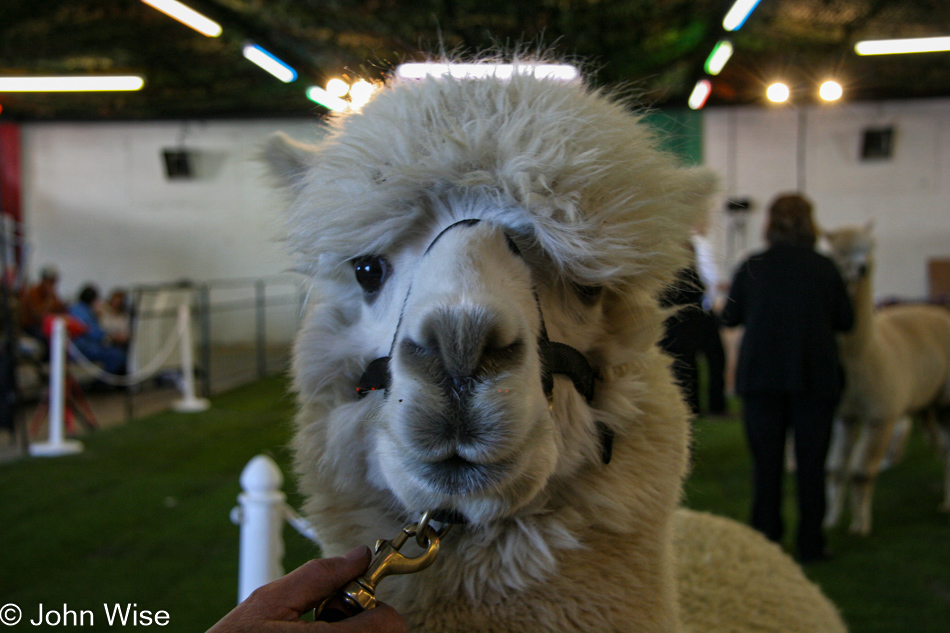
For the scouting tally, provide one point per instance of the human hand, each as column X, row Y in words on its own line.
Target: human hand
column 277, row 607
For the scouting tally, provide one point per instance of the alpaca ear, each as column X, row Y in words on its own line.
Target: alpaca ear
column 288, row 159
column 869, row 227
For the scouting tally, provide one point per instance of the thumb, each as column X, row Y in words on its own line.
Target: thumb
column 307, row 586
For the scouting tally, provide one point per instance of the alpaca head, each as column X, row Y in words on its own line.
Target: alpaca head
column 852, row 249
column 451, row 231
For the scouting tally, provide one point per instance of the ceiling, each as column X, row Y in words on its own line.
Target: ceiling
column 655, row 47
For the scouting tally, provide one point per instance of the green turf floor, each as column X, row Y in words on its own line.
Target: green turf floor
column 142, row 516
column 895, row 581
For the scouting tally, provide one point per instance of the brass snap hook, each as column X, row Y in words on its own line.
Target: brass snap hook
column 360, row 594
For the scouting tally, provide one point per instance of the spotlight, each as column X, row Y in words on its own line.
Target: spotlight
column 360, row 93
column 830, row 91
column 337, row 88
column 778, row 93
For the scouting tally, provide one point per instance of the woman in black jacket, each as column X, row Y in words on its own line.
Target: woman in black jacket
column 791, row 301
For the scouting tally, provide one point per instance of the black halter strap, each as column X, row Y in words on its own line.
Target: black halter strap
column 556, row 358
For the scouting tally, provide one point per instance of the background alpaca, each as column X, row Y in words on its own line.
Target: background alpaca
column 897, row 364
column 453, row 227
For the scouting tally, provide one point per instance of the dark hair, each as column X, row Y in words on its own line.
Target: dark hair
column 790, row 221
column 88, row 294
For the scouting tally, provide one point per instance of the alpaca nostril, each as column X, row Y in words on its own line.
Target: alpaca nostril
column 463, row 386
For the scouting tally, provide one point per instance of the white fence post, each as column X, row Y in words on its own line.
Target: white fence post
column 261, row 517
column 189, row 403
column 57, row 445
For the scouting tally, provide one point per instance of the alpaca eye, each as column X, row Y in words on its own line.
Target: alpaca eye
column 588, row 294
column 371, row 272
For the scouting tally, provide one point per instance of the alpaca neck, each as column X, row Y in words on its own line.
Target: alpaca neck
column 862, row 300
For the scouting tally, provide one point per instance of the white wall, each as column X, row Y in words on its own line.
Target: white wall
column 755, row 150
column 98, row 205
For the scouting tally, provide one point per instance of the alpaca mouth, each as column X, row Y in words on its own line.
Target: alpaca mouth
column 457, row 475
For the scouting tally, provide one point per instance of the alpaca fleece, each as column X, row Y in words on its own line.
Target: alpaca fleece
column 576, row 181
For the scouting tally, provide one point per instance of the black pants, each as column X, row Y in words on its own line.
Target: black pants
column 767, row 419
column 694, row 332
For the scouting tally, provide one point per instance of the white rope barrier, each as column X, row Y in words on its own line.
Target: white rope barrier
column 57, row 444
column 91, row 369
column 261, row 515
column 189, row 403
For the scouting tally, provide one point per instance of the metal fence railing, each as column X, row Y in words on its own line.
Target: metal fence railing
column 243, row 328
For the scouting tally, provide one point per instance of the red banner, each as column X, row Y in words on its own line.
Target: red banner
column 10, row 181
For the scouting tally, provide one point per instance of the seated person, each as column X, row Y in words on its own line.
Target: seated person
column 94, row 343
column 114, row 318
column 39, row 301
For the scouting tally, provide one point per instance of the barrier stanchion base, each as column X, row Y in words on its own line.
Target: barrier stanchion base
column 191, row 405
column 49, row 449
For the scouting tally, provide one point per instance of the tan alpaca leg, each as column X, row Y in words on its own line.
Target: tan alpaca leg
column 898, row 443
column 864, row 465
column 836, row 467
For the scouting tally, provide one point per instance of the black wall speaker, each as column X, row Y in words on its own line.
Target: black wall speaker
column 177, row 164
column 878, row 143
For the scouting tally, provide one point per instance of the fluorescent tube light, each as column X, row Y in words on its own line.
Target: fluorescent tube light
column 324, row 98
column 895, row 47
column 738, row 14
column 717, row 59
column 70, row 84
column 562, row 72
column 701, row 91
column 270, row 63
column 187, row 16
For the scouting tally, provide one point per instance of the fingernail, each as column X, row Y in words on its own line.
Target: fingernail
column 356, row 553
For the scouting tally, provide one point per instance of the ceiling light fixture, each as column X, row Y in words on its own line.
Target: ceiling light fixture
column 563, row 72
column 360, row 93
column 778, row 92
column 332, row 98
column 270, row 63
column 187, row 16
column 717, row 59
column 896, row 47
column 701, row 92
column 738, row 14
column 338, row 88
column 327, row 100
column 830, row 91
column 71, row 84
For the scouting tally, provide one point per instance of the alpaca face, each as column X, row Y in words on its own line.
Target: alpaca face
column 579, row 217
column 852, row 249
column 465, row 426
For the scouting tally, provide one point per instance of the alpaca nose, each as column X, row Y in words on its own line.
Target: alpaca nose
column 461, row 347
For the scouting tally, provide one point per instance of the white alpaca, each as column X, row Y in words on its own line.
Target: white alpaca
column 897, row 365
column 457, row 227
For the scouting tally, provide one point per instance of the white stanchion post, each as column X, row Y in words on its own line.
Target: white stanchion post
column 261, row 517
column 189, row 403
column 57, row 444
